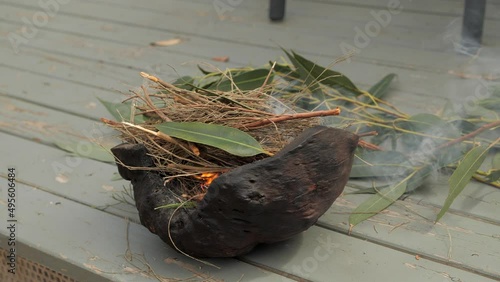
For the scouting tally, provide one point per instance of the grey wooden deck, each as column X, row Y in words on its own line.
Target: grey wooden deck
column 68, row 215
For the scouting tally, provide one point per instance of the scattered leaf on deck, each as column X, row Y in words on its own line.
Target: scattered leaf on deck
column 221, row 59
column 61, row 178
column 168, row 42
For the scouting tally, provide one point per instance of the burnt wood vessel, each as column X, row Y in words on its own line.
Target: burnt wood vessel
column 265, row 201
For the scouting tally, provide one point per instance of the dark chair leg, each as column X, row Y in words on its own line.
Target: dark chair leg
column 472, row 27
column 277, row 10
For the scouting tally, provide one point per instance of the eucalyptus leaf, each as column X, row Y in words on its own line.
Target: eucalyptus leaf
column 286, row 71
column 380, row 88
column 229, row 139
column 449, row 110
column 495, row 161
column 308, row 79
column 324, row 75
column 184, row 82
column 205, row 72
column 418, row 178
column 493, row 175
column 462, row 175
column 449, row 156
column 492, row 103
column 121, row 111
column 207, row 81
column 427, row 124
column 378, row 202
column 495, row 90
column 361, row 191
column 383, row 133
column 478, row 111
column 87, row 149
column 247, row 80
column 424, row 122
column 463, row 125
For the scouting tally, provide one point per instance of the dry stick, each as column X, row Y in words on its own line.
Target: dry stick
column 267, row 78
column 197, row 168
column 333, row 112
column 152, row 106
column 170, row 86
column 368, row 145
column 369, row 133
column 470, row 135
column 158, row 134
column 155, row 79
column 488, row 76
column 177, row 156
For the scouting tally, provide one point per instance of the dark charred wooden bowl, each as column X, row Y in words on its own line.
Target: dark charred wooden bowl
column 266, row 201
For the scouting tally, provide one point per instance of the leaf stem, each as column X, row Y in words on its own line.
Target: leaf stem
column 470, row 135
column 368, row 145
column 333, row 112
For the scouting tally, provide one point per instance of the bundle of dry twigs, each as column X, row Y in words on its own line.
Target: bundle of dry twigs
column 194, row 164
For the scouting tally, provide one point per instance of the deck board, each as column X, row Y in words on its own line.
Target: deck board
column 345, row 252
column 90, row 49
column 414, row 85
column 353, row 260
column 414, row 78
column 184, row 21
column 446, row 7
column 110, row 246
column 457, row 240
column 100, row 196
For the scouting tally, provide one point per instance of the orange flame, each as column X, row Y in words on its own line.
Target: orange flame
column 208, row 177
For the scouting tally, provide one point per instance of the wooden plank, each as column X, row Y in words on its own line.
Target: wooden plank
column 488, row 198
column 82, row 72
column 55, row 93
column 320, row 255
column 76, row 236
column 91, row 86
column 87, row 105
column 315, row 255
column 469, row 230
column 415, row 84
column 449, row 8
column 211, row 27
column 422, row 82
column 457, row 240
column 302, row 13
column 114, row 54
column 40, row 123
